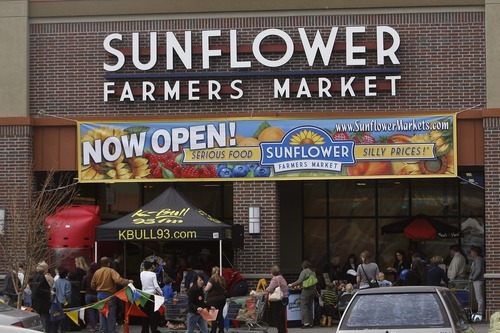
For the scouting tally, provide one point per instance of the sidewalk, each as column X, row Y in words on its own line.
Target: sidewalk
column 479, row 327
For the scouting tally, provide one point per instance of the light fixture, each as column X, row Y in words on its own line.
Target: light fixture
column 253, row 220
column 2, row 220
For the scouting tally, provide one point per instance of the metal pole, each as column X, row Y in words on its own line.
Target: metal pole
column 220, row 256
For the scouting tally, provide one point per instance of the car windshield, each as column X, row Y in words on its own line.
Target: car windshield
column 395, row 310
column 4, row 307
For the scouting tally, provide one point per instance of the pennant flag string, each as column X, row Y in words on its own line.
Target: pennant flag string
column 128, row 294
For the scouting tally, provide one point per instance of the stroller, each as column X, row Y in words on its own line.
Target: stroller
column 343, row 302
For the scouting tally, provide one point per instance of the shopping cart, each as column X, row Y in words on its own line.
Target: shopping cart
column 461, row 289
column 248, row 310
column 176, row 311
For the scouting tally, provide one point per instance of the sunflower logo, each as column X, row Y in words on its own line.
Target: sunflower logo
column 307, row 137
column 122, row 168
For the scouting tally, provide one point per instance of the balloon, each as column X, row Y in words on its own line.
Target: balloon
column 402, row 275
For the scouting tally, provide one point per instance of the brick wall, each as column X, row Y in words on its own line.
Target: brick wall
column 16, row 157
column 262, row 250
column 442, row 58
column 492, row 213
column 442, row 66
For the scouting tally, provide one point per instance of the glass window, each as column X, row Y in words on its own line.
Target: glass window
column 472, row 233
column 315, row 241
column 314, row 194
column 207, row 196
column 396, row 310
column 393, row 197
column 351, row 236
column 471, row 199
column 434, row 196
column 352, row 198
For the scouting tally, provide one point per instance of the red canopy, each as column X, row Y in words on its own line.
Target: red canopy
column 420, row 228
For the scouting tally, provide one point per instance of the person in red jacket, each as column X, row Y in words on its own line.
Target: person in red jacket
column 236, row 283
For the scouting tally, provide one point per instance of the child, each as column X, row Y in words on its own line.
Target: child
column 340, row 289
column 349, row 289
column 329, row 298
column 167, row 290
column 382, row 282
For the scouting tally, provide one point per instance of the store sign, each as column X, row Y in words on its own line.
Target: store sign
column 268, row 149
column 169, row 73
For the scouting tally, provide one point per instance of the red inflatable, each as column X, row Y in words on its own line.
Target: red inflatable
column 73, row 226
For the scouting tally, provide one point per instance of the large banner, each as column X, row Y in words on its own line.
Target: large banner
column 265, row 148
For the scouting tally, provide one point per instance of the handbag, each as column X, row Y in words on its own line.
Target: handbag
column 276, row 295
column 56, row 312
column 310, row 281
column 372, row 283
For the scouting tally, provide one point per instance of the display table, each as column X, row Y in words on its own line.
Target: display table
column 293, row 312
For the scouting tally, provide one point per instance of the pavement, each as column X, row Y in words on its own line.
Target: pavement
column 482, row 327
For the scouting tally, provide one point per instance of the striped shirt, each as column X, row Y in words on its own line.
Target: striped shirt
column 329, row 297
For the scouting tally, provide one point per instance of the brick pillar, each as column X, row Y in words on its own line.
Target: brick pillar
column 260, row 251
column 16, row 159
column 492, row 213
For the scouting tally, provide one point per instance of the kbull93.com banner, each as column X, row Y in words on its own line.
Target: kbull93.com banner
column 264, row 148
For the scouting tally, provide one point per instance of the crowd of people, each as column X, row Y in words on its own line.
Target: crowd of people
column 407, row 270
column 208, row 287
column 87, row 283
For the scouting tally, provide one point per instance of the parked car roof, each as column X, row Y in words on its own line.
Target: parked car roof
column 399, row 289
column 405, row 310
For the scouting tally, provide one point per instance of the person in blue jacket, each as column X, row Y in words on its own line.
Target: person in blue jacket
column 436, row 276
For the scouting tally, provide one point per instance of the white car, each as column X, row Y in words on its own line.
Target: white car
column 11, row 318
column 422, row 309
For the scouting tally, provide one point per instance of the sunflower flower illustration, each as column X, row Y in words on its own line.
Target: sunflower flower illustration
column 444, row 162
column 122, row 168
column 307, row 137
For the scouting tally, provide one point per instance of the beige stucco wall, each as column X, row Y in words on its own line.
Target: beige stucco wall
column 492, row 17
column 14, row 58
column 150, row 7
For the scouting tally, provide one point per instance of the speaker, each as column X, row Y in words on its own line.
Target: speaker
column 237, row 236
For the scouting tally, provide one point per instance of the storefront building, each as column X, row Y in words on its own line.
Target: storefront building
column 333, row 121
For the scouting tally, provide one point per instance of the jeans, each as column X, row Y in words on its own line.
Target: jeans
column 479, row 292
column 108, row 324
column 93, row 313
column 194, row 319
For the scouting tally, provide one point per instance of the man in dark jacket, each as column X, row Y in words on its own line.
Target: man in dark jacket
column 9, row 289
